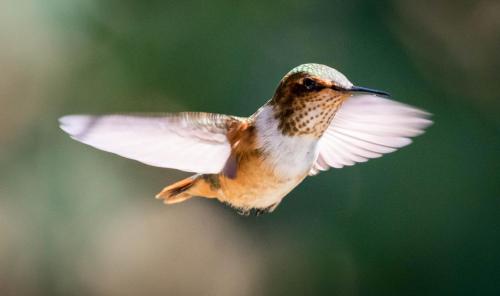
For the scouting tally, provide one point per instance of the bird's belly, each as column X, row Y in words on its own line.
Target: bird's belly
column 259, row 195
column 257, row 185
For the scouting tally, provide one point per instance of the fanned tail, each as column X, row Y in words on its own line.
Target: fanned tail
column 177, row 192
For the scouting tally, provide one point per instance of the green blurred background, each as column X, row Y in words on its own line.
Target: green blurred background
column 77, row 221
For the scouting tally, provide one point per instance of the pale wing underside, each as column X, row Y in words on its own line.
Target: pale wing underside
column 368, row 126
column 192, row 142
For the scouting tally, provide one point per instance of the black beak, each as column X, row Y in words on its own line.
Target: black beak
column 370, row 91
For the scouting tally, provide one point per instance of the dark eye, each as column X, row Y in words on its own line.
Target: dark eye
column 309, row 83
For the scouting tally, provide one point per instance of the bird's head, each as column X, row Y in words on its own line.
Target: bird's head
column 308, row 97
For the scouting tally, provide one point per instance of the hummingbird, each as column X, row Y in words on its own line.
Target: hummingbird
column 316, row 120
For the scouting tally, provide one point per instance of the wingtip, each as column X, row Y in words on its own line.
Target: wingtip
column 64, row 123
column 425, row 122
column 75, row 125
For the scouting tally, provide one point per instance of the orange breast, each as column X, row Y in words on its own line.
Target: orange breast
column 256, row 185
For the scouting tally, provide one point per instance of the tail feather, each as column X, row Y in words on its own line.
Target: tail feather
column 177, row 192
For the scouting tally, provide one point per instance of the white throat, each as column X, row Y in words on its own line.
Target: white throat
column 291, row 156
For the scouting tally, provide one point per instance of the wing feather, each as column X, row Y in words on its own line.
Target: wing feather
column 192, row 142
column 365, row 127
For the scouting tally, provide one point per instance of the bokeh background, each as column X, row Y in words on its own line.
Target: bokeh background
column 76, row 221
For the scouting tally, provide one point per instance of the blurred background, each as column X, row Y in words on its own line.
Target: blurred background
column 76, row 221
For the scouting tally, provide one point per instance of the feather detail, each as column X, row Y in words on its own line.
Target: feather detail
column 365, row 127
column 192, row 142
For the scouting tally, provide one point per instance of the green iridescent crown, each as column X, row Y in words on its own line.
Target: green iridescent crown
column 323, row 72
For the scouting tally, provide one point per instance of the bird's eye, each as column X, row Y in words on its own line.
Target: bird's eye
column 309, row 83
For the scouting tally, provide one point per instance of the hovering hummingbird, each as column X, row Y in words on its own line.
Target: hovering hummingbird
column 315, row 120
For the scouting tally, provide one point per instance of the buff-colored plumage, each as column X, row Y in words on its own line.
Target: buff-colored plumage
column 316, row 120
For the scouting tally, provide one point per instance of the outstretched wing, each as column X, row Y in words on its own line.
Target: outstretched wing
column 192, row 142
column 368, row 126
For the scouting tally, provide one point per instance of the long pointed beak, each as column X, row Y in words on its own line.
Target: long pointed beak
column 369, row 90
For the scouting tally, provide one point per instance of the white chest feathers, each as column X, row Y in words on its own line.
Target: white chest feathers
column 290, row 156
